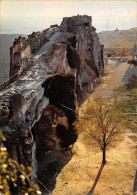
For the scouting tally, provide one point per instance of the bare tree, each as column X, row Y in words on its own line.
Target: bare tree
column 101, row 122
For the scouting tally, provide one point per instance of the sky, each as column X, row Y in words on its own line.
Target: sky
column 24, row 17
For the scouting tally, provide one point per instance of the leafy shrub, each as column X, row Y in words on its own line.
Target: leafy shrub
column 14, row 178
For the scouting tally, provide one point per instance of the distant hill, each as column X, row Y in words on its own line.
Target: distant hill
column 118, row 38
column 6, row 41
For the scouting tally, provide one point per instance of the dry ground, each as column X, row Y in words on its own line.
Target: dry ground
column 118, row 175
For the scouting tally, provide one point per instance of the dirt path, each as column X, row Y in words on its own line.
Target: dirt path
column 118, row 175
column 118, row 74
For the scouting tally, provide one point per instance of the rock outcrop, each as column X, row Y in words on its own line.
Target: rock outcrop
column 20, row 56
column 54, row 68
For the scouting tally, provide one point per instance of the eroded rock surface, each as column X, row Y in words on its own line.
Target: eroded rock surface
column 39, row 105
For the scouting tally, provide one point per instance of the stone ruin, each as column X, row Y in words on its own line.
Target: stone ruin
column 135, row 51
column 53, row 69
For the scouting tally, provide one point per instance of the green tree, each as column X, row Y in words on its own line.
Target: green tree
column 14, row 178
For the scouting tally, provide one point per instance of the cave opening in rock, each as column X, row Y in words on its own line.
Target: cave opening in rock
column 54, row 132
column 51, row 139
column 61, row 91
column 85, row 24
column 73, row 57
column 73, row 41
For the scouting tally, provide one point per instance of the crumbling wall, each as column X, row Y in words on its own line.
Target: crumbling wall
column 20, row 56
column 22, row 51
column 36, row 39
column 70, row 24
column 64, row 58
column 57, row 59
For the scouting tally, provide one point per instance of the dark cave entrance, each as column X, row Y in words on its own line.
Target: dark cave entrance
column 54, row 133
column 52, row 142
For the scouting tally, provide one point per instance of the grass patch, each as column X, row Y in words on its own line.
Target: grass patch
column 128, row 94
column 126, row 106
column 130, row 89
column 121, row 89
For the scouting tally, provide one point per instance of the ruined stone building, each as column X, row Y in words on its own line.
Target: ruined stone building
column 52, row 71
column 135, row 51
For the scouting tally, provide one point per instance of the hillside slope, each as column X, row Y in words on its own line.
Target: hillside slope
column 118, row 38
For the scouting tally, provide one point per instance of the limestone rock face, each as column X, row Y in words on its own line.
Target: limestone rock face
column 71, row 49
column 20, row 56
column 88, row 47
column 71, row 24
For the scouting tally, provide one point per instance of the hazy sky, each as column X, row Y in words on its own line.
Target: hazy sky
column 27, row 16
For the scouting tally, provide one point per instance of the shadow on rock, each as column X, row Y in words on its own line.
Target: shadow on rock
column 49, row 166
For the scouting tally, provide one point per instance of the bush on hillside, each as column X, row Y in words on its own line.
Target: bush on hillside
column 14, row 178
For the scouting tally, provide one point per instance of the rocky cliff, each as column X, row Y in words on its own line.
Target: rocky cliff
column 54, row 68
